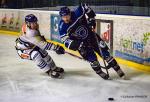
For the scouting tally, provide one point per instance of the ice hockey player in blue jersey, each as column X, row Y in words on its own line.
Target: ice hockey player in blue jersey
column 76, row 32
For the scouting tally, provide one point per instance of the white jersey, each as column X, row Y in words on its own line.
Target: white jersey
column 31, row 45
column 32, row 38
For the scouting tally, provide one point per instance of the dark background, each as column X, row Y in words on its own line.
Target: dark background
column 55, row 4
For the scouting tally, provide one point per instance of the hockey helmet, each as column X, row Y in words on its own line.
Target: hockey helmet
column 64, row 11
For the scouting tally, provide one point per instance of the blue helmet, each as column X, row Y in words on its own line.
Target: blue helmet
column 64, row 11
column 31, row 18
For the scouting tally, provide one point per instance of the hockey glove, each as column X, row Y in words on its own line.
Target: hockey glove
column 43, row 38
column 59, row 49
column 75, row 45
column 92, row 22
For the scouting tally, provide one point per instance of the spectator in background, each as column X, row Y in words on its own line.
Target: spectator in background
column 3, row 4
column 8, row 4
column 12, row 4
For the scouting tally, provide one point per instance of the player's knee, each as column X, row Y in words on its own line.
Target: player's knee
column 103, row 45
column 106, row 54
column 35, row 55
column 92, row 59
column 89, row 55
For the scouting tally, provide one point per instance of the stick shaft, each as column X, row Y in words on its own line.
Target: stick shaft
column 101, row 55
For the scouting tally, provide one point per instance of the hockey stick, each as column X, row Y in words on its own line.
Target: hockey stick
column 104, row 67
column 102, row 55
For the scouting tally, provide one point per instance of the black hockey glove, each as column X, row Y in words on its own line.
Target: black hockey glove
column 92, row 22
column 43, row 38
column 76, row 45
column 59, row 49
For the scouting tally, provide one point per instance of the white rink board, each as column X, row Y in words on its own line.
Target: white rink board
column 131, row 35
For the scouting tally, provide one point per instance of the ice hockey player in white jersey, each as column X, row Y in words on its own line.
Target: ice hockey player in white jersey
column 32, row 45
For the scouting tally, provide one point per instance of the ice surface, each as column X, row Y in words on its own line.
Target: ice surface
column 22, row 81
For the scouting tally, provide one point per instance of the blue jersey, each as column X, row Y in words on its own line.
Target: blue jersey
column 77, row 29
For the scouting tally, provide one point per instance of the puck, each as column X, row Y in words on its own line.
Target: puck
column 111, row 99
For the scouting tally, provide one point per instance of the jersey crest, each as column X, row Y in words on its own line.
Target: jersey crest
column 81, row 32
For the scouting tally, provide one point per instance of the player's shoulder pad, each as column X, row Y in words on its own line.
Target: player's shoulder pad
column 62, row 25
column 31, row 33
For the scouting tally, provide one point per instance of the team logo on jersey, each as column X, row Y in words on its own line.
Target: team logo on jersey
column 81, row 32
